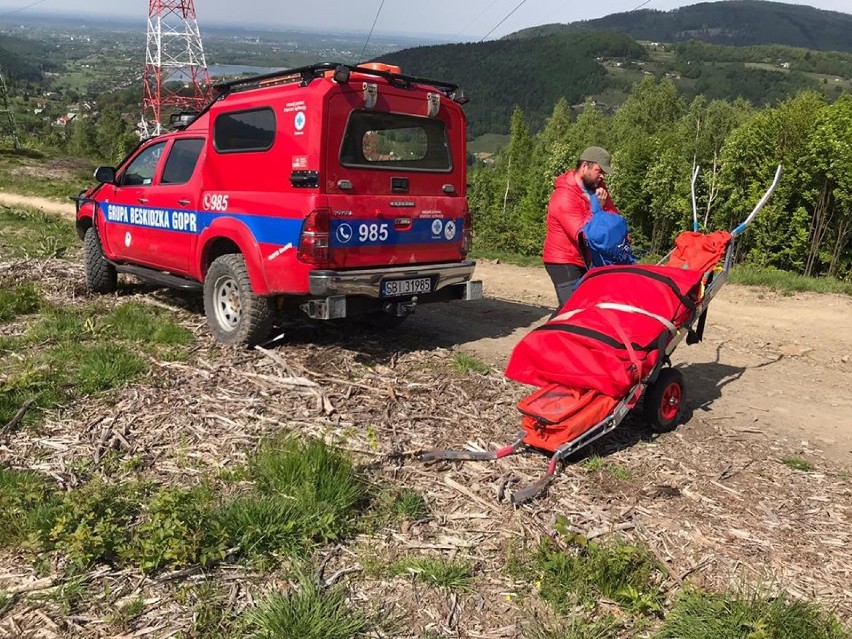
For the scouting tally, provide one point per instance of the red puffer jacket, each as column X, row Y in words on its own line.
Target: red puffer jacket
column 568, row 210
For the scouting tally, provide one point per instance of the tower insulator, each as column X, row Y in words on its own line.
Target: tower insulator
column 176, row 78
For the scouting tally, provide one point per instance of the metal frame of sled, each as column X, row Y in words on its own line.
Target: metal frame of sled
column 611, row 421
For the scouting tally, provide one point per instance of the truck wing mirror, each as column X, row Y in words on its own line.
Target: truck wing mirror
column 105, row 174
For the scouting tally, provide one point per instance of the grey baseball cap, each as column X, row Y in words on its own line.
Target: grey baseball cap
column 599, row 156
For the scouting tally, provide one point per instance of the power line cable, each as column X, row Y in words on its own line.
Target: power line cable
column 24, row 8
column 520, row 4
column 478, row 16
column 640, row 5
column 369, row 35
column 564, row 4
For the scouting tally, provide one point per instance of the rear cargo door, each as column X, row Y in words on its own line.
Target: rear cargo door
column 395, row 182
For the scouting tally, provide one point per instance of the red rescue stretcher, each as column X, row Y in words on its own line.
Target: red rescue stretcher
column 610, row 346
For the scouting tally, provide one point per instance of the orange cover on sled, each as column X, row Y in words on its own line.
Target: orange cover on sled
column 556, row 414
column 697, row 251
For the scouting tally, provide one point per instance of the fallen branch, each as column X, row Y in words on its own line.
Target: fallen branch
column 17, row 418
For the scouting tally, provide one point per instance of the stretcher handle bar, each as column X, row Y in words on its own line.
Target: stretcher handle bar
column 742, row 227
column 694, row 204
column 530, row 492
column 435, row 455
column 467, row 455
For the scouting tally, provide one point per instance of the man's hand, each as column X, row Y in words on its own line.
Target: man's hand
column 602, row 194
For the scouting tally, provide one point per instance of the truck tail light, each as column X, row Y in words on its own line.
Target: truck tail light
column 314, row 240
column 467, row 233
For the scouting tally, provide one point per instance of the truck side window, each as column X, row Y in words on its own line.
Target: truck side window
column 391, row 140
column 240, row 131
column 141, row 171
column 182, row 160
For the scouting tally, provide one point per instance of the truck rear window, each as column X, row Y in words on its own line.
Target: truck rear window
column 395, row 141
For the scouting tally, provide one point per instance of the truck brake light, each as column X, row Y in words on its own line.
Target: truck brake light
column 467, row 234
column 314, row 239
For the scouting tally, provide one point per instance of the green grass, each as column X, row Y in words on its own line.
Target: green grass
column 786, row 282
column 26, row 498
column 438, row 572
column 213, row 615
column 586, row 570
column 26, row 233
column 393, row 504
column 595, row 463
column 305, row 494
column 70, row 595
column 703, row 615
column 138, row 322
column 797, row 463
column 577, row 626
column 18, row 299
column 307, row 612
column 123, row 616
column 68, row 353
column 466, row 364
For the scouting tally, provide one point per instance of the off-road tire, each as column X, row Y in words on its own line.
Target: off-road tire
column 235, row 315
column 101, row 276
column 663, row 403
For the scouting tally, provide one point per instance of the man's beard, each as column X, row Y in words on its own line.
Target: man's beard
column 590, row 183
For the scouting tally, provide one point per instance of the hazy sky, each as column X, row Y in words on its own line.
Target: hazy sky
column 455, row 19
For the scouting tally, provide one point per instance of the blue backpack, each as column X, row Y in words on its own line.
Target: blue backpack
column 607, row 238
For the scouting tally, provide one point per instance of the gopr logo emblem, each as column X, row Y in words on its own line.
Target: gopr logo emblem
column 450, row 230
column 300, row 120
column 344, row 233
column 437, row 225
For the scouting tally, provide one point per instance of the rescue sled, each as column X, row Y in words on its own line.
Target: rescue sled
column 610, row 346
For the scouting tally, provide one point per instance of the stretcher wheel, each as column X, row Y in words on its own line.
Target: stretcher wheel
column 664, row 400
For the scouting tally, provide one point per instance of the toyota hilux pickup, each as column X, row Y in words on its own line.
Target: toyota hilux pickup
column 335, row 188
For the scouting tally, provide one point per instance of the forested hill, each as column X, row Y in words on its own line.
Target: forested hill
column 22, row 59
column 733, row 22
column 501, row 74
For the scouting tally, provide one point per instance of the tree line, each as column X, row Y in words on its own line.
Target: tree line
column 656, row 139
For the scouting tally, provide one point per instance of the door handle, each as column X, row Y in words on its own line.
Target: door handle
column 143, row 200
column 183, row 202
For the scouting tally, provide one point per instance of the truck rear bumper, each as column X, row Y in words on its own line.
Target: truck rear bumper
column 347, row 293
column 368, row 282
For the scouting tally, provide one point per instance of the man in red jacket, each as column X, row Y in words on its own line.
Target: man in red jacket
column 576, row 194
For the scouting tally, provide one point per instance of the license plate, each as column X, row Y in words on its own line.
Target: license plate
column 393, row 288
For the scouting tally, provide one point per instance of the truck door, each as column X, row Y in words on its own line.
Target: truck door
column 176, row 193
column 128, row 229
column 149, row 218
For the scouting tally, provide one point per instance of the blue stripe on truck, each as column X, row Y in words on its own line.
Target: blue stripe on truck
column 268, row 229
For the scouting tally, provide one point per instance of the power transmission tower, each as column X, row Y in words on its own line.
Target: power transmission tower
column 7, row 118
column 176, row 76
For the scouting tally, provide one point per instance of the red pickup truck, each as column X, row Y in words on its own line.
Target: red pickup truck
column 338, row 188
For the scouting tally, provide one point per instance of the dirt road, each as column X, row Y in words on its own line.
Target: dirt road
column 779, row 364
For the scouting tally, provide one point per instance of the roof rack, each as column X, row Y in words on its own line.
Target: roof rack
column 305, row 75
